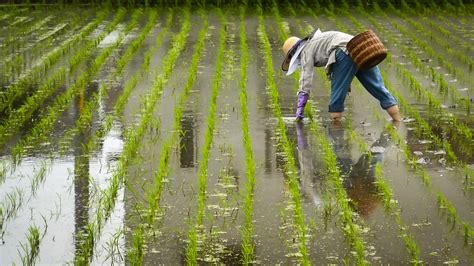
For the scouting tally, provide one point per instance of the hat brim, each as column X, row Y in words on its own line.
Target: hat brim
column 295, row 62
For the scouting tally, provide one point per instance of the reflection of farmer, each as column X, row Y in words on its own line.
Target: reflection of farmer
column 359, row 177
column 306, row 173
column 328, row 49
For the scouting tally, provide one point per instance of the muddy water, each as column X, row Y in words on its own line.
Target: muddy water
column 67, row 198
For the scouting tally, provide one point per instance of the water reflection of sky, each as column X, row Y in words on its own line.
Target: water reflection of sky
column 66, row 199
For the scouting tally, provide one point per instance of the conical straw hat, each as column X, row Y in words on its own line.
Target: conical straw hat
column 289, row 49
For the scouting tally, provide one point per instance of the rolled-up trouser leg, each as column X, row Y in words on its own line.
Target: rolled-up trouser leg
column 372, row 81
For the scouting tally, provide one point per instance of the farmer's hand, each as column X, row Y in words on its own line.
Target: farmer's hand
column 302, row 100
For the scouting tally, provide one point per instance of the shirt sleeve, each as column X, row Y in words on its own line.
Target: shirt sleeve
column 307, row 70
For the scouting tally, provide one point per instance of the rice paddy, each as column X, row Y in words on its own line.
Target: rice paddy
column 163, row 132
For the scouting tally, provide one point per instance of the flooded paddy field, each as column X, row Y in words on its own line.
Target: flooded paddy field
column 167, row 136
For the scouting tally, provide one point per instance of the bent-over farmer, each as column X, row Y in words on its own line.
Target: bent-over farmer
column 328, row 50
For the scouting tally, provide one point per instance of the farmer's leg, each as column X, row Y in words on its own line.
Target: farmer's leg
column 373, row 83
column 343, row 72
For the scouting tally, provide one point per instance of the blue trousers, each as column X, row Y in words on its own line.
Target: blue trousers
column 343, row 71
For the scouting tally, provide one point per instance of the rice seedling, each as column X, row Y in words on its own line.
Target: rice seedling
column 41, row 54
column 19, row 87
column 129, row 87
column 133, row 136
column 193, row 234
column 154, row 195
column 289, row 168
column 348, row 219
column 248, row 247
column 87, row 50
column 461, row 57
column 31, row 248
column 14, row 65
column 53, row 112
column 391, row 206
column 426, row 130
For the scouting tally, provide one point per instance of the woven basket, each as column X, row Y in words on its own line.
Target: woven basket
column 366, row 50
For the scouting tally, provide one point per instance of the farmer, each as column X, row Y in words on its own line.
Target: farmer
column 328, row 50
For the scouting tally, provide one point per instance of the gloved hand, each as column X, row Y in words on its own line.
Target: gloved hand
column 302, row 100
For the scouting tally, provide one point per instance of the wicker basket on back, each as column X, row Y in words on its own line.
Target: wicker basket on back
column 366, row 50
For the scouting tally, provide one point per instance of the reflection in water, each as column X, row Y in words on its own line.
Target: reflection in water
column 358, row 177
column 187, row 143
column 268, row 149
column 306, row 164
column 81, row 184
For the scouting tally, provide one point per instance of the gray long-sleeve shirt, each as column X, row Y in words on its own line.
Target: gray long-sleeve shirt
column 318, row 52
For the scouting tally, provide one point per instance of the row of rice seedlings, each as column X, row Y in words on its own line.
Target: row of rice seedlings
column 351, row 225
column 390, row 203
column 423, row 129
column 421, row 31
column 41, row 129
column 248, row 246
column 36, row 26
column 444, row 86
column 451, row 27
column 30, row 249
column 21, row 86
column 391, row 206
column 135, row 255
column 136, row 44
column 16, row 63
column 443, row 203
column 18, row 117
column 132, row 139
column 448, row 34
column 85, row 118
column 195, row 235
column 24, row 28
column 426, row 131
column 461, row 129
column 284, row 144
column 159, row 40
column 89, row 48
column 17, row 36
column 128, row 88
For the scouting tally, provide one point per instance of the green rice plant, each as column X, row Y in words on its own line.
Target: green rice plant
column 443, row 202
column 428, row 46
column 444, row 87
column 86, row 114
column 137, row 43
column 248, row 246
column 88, row 49
column 13, row 67
column 128, row 88
column 39, row 132
column 192, row 247
column 19, row 88
column 289, row 167
column 391, row 206
column 39, row 177
column 159, row 39
column 31, row 248
column 137, row 253
column 426, row 130
column 133, row 136
column 348, row 219
column 460, row 56
column 170, row 143
column 11, row 204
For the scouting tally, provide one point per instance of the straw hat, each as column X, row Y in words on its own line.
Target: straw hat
column 292, row 48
